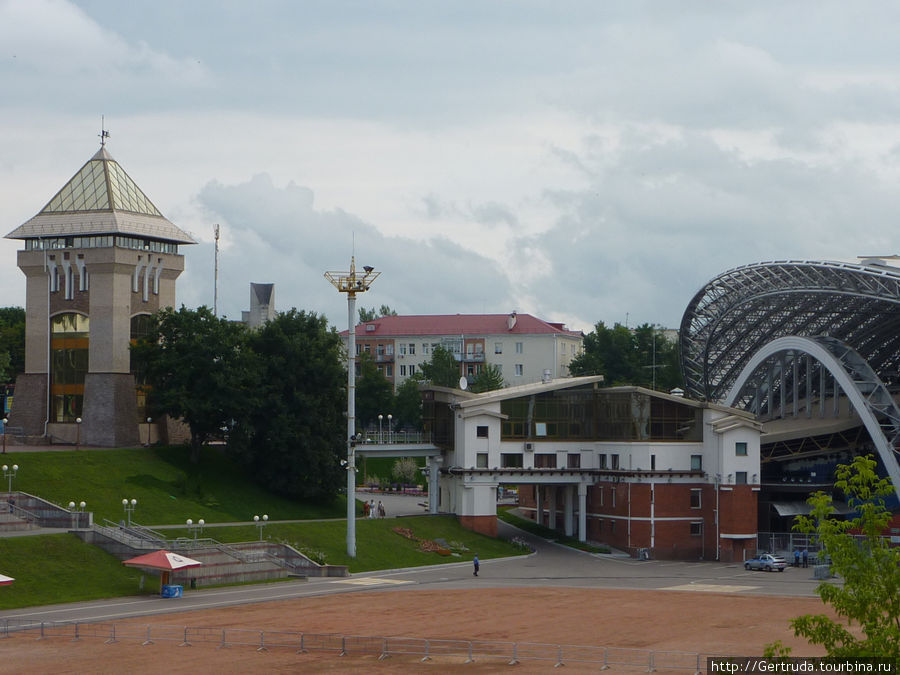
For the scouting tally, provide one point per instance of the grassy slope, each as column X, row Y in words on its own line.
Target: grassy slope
column 60, row 568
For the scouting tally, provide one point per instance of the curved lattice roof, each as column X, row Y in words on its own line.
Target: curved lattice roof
column 740, row 311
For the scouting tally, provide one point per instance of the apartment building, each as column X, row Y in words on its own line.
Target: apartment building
column 525, row 349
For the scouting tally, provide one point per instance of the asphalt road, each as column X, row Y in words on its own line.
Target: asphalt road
column 550, row 565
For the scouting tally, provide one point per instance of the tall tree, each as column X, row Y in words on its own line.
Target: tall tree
column 408, row 405
column 442, row 369
column 194, row 365
column 372, row 314
column 12, row 342
column 640, row 356
column 860, row 554
column 488, row 378
column 374, row 393
column 290, row 433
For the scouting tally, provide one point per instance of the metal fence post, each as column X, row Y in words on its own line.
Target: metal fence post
column 426, row 657
column 302, row 649
column 650, row 667
column 343, row 646
column 605, row 665
column 112, row 634
column 470, row 659
column 76, row 638
column 515, row 660
column 185, row 643
column 223, row 643
column 559, row 659
column 384, row 650
column 698, row 671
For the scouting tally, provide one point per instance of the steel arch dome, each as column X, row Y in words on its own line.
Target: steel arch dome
column 741, row 310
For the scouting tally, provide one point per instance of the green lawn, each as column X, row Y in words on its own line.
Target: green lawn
column 61, row 568
column 167, row 487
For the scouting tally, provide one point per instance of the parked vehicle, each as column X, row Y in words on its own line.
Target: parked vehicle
column 767, row 562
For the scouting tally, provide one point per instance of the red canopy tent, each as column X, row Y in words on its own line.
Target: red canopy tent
column 163, row 560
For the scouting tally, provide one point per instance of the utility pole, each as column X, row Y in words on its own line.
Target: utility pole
column 216, row 276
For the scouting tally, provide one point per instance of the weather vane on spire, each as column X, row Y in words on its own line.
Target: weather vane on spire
column 104, row 134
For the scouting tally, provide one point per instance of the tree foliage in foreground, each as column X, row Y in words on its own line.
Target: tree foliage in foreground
column 868, row 601
column 194, row 365
column 12, row 343
column 374, row 392
column 442, row 369
column 630, row 356
column 488, row 378
column 290, row 432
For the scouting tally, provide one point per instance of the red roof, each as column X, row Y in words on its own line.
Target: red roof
column 459, row 324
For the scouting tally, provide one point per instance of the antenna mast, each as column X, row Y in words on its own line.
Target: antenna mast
column 216, row 277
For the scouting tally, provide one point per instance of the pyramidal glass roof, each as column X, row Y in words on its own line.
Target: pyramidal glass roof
column 101, row 185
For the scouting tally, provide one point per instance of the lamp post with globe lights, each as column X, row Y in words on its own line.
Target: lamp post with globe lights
column 351, row 283
column 77, row 510
column 149, row 421
column 261, row 523
column 9, row 473
column 129, row 506
column 5, row 422
column 77, row 433
column 194, row 528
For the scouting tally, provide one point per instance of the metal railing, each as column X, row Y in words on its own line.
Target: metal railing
column 423, row 649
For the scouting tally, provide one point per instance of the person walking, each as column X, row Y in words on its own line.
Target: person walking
column 475, row 563
column 365, row 509
column 805, row 555
column 796, row 557
column 372, row 512
column 380, row 509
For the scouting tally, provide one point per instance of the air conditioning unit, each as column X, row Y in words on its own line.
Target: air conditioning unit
column 529, row 447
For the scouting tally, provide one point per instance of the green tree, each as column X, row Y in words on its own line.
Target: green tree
column 442, row 369
column 489, row 378
column 408, row 405
column 12, row 342
column 374, row 393
column 626, row 356
column 870, row 568
column 291, row 431
column 372, row 314
column 194, row 365
column 405, row 470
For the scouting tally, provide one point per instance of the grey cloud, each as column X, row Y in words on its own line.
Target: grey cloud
column 278, row 236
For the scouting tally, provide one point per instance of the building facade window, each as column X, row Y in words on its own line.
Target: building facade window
column 602, row 457
column 740, row 478
column 424, row 347
column 696, row 462
column 412, row 370
column 697, row 529
column 545, row 460
column 511, row 460
column 612, row 493
column 412, row 348
column 69, row 347
column 498, row 347
column 520, row 370
column 481, row 460
column 614, row 461
column 402, row 371
column 389, row 370
column 481, row 431
column 740, row 449
column 696, row 498
column 520, row 347
column 402, row 348
column 573, row 460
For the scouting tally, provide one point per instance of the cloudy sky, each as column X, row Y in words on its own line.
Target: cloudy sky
column 583, row 161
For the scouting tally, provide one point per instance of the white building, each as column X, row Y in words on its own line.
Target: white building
column 525, row 348
column 627, row 466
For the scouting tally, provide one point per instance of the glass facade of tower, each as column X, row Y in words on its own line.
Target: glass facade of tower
column 69, row 342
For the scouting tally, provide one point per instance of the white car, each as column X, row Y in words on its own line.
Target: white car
column 767, row 562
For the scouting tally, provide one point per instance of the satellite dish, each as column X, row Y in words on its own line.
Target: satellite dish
column 463, row 383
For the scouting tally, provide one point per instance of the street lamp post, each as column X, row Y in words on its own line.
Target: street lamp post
column 149, row 420
column 5, row 422
column 380, row 417
column 77, row 433
column 10, row 473
column 261, row 523
column 128, row 505
column 390, row 428
column 351, row 283
column 194, row 528
column 76, row 510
